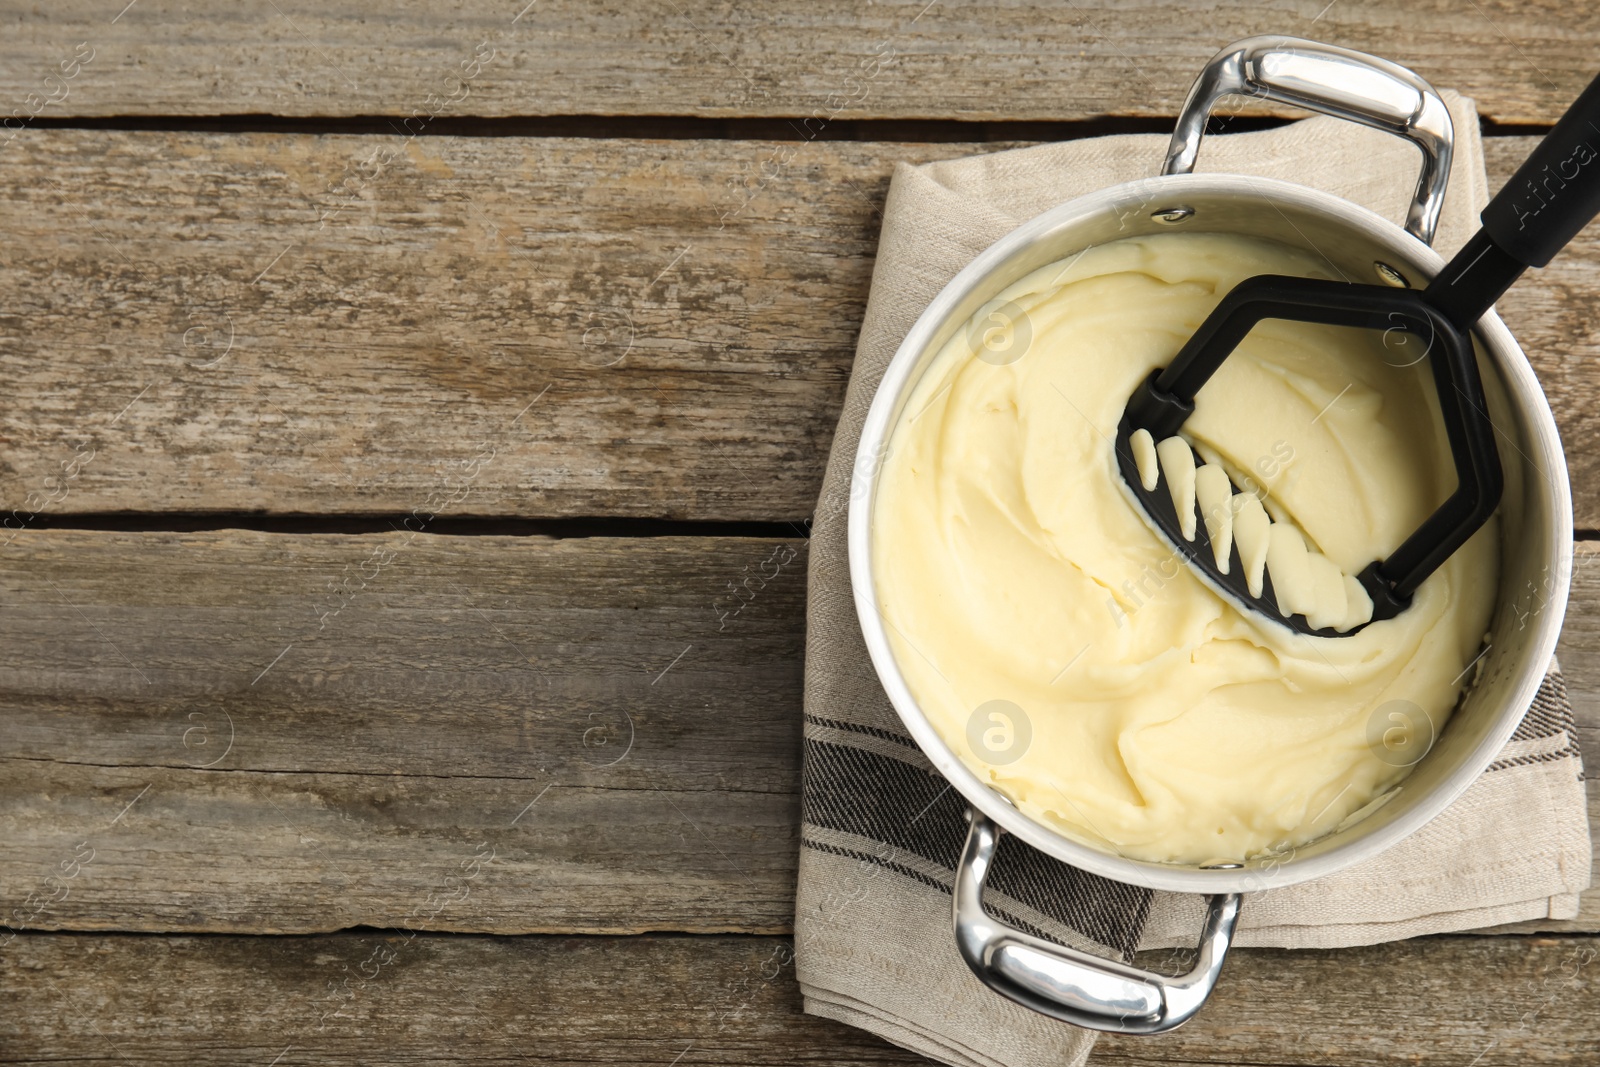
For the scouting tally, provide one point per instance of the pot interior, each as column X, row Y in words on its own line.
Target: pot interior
column 1535, row 511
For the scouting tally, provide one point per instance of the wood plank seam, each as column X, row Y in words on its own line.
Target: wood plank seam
column 1038, row 61
column 96, row 999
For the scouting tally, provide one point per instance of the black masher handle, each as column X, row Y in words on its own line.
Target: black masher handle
column 1552, row 196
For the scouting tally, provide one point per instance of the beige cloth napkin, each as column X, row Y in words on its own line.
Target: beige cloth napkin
column 881, row 830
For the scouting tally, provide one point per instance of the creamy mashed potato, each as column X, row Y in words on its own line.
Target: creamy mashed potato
column 1060, row 647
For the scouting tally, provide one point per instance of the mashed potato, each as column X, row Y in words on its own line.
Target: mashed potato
column 1061, row 648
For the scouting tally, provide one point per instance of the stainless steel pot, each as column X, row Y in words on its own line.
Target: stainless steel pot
column 1536, row 516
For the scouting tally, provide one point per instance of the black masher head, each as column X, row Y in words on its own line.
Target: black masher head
column 1550, row 198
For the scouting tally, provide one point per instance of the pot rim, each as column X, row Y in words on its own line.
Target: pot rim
column 1523, row 391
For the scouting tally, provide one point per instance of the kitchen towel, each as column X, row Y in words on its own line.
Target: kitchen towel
column 881, row 830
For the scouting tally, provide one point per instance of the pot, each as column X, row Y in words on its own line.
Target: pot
column 1536, row 517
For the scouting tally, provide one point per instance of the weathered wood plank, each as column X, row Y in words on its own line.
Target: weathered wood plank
column 684, row 352
column 912, row 59
column 221, row 742
column 719, row 1000
column 1555, row 314
column 467, row 679
column 682, row 325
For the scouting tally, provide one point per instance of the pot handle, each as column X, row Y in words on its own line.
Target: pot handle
column 1332, row 81
column 1070, row 985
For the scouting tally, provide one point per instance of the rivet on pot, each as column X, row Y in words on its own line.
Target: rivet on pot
column 1172, row 215
column 1389, row 276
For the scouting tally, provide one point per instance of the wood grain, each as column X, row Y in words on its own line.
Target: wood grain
column 1555, row 315
column 1524, row 62
column 241, row 747
column 468, row 696
column 472, row 326
column 481, row 326
column 732, row 1000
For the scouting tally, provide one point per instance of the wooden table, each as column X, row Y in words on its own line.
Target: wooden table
column 394, row 394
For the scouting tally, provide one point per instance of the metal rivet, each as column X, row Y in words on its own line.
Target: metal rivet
column 1389, row 276
column 1172, row 215
column 1221, row 866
